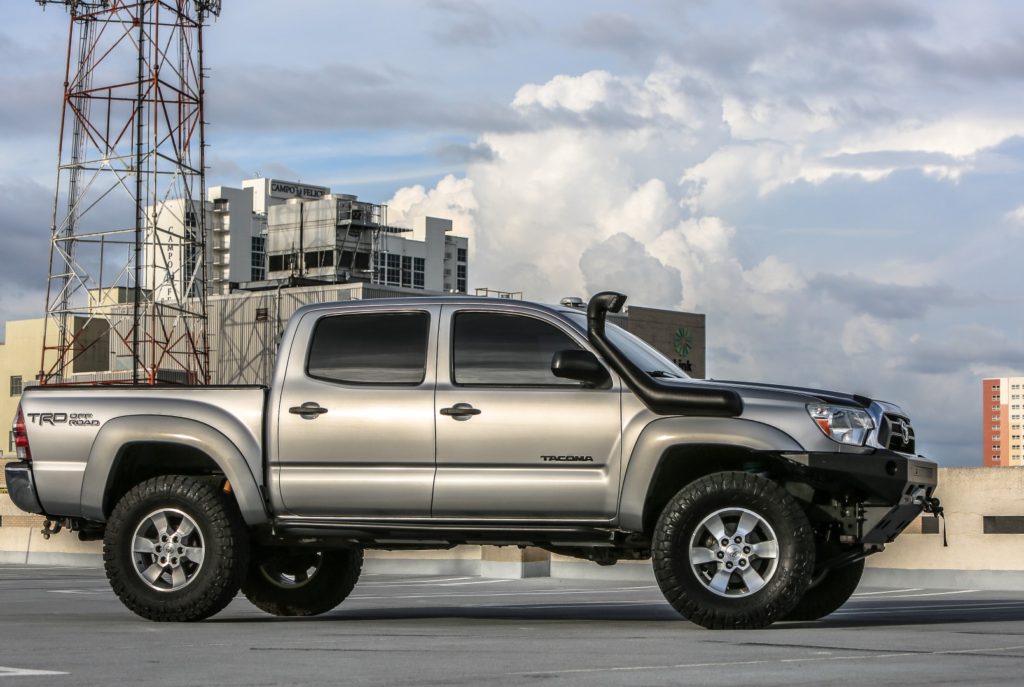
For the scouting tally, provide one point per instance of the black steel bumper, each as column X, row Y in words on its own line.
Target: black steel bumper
column 891, row 489
column 21, row 487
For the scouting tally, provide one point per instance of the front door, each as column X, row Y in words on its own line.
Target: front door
column 356, row 414
column 513, row 440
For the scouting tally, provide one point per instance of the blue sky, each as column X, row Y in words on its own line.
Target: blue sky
column 839, row 186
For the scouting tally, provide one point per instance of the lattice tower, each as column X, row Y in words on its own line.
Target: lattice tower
column 128, row 262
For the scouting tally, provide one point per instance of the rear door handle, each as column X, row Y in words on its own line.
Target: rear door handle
column 460, row 411
column 308, row 410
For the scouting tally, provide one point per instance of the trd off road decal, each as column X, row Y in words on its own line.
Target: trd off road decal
column 72, row 419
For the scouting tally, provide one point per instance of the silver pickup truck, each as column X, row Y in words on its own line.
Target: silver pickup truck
column 432, row 422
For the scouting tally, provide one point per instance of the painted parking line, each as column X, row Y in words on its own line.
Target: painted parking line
column 888, row 591
column 27, row 672
column 951, row 593
column 930, row 608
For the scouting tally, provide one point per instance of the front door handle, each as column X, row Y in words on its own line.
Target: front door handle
column 308, row 410
column 460, row 411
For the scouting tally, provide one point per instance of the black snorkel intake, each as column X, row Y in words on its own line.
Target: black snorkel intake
column 663, row 399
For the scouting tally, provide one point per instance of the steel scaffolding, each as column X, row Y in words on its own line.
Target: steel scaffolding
column 127, row 254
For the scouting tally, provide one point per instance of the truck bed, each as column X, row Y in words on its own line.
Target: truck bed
column 64, row 422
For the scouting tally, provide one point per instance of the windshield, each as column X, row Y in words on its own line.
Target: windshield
column 643, row 355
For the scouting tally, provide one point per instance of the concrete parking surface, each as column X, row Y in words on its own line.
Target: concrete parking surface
column 62, row 626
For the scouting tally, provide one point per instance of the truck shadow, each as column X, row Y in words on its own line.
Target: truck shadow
column 922, row 613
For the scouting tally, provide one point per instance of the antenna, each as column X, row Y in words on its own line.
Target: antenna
column 128, row 263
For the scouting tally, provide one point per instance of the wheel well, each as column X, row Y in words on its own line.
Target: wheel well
column 681, row 465
column 144, row 460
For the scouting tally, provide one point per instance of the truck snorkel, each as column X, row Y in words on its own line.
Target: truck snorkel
column 660, row 398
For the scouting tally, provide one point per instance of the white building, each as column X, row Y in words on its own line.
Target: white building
column 271, row 230
column 238, row 231
column 337, row 238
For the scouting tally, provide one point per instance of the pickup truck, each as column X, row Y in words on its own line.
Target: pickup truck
column 432, row 422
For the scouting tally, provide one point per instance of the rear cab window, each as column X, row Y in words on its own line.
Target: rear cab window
column 386, row 348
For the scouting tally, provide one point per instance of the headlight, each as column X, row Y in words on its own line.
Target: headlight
column 842, row 423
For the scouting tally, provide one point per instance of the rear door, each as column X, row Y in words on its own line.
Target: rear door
column 356, row 414
column 513, row 440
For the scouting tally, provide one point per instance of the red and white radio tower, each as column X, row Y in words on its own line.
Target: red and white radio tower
column 126, row 297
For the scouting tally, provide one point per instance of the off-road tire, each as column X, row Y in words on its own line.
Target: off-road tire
column 833, row 591
column 226, row 548
column 337, row 573
column 683, row 515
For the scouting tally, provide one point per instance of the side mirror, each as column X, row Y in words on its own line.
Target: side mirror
column 582, row 366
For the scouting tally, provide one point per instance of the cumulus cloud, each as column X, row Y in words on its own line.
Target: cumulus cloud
column 621, row 263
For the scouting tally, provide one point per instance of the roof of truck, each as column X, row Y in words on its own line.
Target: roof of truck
column 407, row 301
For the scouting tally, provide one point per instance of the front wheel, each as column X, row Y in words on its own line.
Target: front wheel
column 175, row 548
column 301, row 582
column 733, row 551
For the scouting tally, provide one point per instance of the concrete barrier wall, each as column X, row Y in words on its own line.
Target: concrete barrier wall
column 973, row 558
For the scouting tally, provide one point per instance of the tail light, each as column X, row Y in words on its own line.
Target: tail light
column 21, row 436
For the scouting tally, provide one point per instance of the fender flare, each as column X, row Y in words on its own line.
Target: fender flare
column 665, row 433
column 121, row 432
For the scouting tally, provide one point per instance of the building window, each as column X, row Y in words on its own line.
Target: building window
column 460, row 281
column 258, row 261
column 462, row 255
column 319, row 258
column 387, row 348
column 388, row 269
column 419, row 269
column 407, row 271
column 16, row 385
column 394, row 263
column 281, row 263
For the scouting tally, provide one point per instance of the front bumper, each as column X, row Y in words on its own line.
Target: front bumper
column 891, row 489
column 21, row 487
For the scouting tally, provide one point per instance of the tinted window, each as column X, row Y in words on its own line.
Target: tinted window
column 386, row 348
column 507, row 350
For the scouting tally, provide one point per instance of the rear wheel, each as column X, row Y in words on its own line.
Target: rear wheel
column 301, row 582
column 175, row 548
column 829, row 594
column 733, row 550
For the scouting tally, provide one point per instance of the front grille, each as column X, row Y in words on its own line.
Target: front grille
column 896, row 434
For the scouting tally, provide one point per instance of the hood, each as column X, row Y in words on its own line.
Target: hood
column 812, row 395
